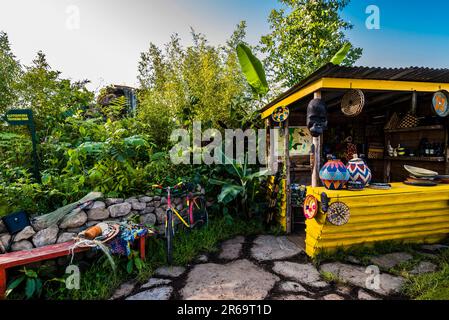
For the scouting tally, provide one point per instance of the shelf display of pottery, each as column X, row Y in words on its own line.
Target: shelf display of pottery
column 334, row 174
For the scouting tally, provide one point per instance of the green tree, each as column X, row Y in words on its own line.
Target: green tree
column 51, row 97
column 9, row 73
column 198, row 82
column 304, row 36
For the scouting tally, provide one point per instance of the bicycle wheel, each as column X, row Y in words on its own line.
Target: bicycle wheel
column 200, row 214
column 169, row 234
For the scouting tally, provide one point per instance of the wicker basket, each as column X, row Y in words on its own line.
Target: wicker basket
column 352, row 103
column 409, row 121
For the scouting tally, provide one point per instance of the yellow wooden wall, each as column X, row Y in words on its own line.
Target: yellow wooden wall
column 404, row 213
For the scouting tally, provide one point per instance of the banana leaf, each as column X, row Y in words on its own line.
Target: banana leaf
column 253, row 70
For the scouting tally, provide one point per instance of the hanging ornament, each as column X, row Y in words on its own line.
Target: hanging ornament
column 440, row 104
column 310, row 207
column 352, row 103
column 338, row 214
column 280, row 115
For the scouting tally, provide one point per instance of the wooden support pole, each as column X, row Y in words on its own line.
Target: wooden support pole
column 317, row 154
column 287, row 176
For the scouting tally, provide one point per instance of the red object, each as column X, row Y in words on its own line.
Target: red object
column 310, row 207
column 21, row 258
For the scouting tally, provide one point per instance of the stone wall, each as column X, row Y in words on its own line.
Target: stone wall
column 148, row 210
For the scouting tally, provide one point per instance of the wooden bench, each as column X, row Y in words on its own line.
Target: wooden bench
column 21, row 258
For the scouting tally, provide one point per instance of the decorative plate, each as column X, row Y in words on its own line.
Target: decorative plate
column 420, row 172
column 280, row 114
column 338, row 214
column 440, row 104
column 310, row 207
column 380, row 186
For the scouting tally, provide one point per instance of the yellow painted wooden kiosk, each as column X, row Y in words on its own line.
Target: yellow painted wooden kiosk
column 402, row 119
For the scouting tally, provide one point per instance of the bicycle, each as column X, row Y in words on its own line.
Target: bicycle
column 195, row 213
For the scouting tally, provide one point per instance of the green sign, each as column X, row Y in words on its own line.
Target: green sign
column 24, row 117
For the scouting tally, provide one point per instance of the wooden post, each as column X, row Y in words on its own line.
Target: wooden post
column 287, row 176
column 317, row 154
column 2, row 283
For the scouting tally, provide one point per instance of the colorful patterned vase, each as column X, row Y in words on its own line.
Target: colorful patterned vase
column 359, row 171
column 334, row 175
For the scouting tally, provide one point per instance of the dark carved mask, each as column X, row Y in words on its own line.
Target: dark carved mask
column 317, row 117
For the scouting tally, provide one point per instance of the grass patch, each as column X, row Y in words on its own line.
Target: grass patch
column 98, row 281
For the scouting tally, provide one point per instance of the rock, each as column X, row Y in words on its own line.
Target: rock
column 65, row 237
column 164, row 200
column 155, row 282
column 112, row 201
column 74, row 221
column 38, row 225
column 434, row 247
column 390, row 260
column 138, row 206
column 202, row 259
column 424, row 267
column 76, row 230
column 5, row 238
column 162, row 293
column 353, row 260
column 273, row 248
column 170, row 272
column 148, row 210
column 344, row 290
column 124, row 290
column 160, row 214
column 148, row 219
column 46, row 237
column 360, row 277
column 231, row 249
column 333, row 297
column 2, row 226
column 177, row 201
column 290, row 286
column 156, row 204
column 25, row 234
column 21, row 245
column 120, row 210
column 145, row 199
column 238, row 280
column 292, row 297
column 156, row 198
column 98, row 211
column 363, row 295
column 303, row 273
column 131, row 200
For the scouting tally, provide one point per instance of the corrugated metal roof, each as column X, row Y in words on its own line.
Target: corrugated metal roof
column 414, row 74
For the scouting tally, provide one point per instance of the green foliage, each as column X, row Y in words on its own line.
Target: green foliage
column 341, row 55
column 253, row 70
column 9, row 74
column 134, row 263
column 304, row 36
column 33, row 284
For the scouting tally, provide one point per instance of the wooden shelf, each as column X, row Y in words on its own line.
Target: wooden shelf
column 423, row 128
column 423, row 159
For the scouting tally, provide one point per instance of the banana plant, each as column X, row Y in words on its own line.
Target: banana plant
column 241, row 185
column 33, row 284
column 253, row 70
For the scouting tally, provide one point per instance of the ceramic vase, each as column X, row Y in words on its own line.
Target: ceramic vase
column 359, row 171
column 334, row 175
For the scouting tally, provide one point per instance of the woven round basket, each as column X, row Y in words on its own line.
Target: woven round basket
column 352, row 103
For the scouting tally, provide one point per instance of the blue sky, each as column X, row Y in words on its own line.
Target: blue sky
column 112, row 33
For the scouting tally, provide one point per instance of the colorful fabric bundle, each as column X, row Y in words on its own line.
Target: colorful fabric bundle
column 121, row 245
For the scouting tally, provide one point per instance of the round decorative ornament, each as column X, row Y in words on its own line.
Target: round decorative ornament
column 334, row 175
column 359, row 171
column 338, row 214
column 281, row 114
column 352, row 103
column 310, row 207
column 440, row 104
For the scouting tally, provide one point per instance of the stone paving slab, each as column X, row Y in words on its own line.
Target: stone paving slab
column 162, row 293
column 231, row 249
column 304, row 273
column 238, row 280
column 170, row 272
column 357, row 276
column 390, row 260
column 153, row 282
column 290, row 286
column 424, row 267
column 268, row 248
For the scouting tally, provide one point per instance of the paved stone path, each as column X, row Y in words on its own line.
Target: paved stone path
column 274, row 268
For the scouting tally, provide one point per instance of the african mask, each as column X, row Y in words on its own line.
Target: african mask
column 316, row 117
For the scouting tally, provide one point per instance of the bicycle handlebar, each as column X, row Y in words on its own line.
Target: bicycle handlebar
column 157, row 186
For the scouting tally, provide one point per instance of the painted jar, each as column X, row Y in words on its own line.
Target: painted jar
column 359, row 171
column 334, row 175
